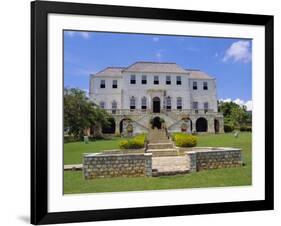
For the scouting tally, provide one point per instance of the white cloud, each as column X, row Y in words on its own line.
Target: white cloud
column 248, row 104
column 238, row 52
column 158, row 56
column 83, row 34
column 155, row 39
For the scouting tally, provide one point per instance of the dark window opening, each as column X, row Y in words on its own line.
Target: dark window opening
column 143, row 79
column 205, row 86
column 178, row 80
column 114, row 84
column 102, row 84
column 194, row 85
column 156, row 80
column 133, row 79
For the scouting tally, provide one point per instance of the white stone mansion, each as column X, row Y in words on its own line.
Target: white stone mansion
column 185, row 99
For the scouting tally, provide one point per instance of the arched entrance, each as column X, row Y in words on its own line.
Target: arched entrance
column 217, row 126
column 201, row 125
column 156, row 105
column 156, row 122
column 110, row 128
column 121, row 125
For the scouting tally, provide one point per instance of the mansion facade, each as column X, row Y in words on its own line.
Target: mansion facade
column 185, row 99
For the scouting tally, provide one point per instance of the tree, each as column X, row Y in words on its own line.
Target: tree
column 234, row 114
column 81, row 114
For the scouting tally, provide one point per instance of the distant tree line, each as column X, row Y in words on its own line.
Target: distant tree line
column 235, row 116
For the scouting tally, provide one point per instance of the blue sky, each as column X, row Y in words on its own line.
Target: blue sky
column 228, row 60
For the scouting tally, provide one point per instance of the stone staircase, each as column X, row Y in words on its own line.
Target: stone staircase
column 159, row 144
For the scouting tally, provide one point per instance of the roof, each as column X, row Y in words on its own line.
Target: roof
column 143, row 66
column 197, row 74
column 153, row 67
column 110, row 71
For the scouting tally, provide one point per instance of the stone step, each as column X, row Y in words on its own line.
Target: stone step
column 166, row 145
column 163, row 152
column 159, row 141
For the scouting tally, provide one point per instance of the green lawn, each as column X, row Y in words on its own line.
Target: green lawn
column 74, row 182
column 73, row 152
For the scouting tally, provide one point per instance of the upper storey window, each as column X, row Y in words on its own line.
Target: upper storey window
column 143, row 103
column 195, row 105
column 133, row 103
column 102, row 84
column 102, row 105
column 194, row 85
column 205, row 85
column 114, row 107
column 114, row 84
column 156, row 80
column 143, row 79
column 168, row 80
column 178, row 80
column 168, row 103
column 133, row 79
column 179, row 103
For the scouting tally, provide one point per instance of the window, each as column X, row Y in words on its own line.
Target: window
column 206, row 107
column 143, row 79
column 205, row 85
column 114, row 84
column 133, row 79
column 156, row 80
column 132, row 103
column 178, row 80
column 195, row 106
column 194, row 85
column 168, row 80
column 102, row 105
column 179, row 103
column 168, row 103
column 114, row 107
column 102, row 84
column 143, row 103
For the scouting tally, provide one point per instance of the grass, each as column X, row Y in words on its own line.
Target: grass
column 74, row 182
column 73, row 152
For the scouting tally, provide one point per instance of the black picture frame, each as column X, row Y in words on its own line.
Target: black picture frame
column 39, row 112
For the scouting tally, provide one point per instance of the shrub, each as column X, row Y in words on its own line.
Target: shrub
column 185, row 140
column 133, row 143
column 228, row 128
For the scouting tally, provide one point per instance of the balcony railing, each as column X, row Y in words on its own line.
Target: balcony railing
column 170, row 112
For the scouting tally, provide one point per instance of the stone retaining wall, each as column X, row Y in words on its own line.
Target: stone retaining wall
column 213, row 158
column 101, row 165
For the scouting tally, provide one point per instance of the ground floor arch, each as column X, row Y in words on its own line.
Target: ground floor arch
column 201, row 125
column 156, row 122
column 110, row 128
column 217, row 126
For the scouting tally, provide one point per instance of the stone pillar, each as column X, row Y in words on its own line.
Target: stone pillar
column 211, row 124
column 221, row 122
column 117, row 127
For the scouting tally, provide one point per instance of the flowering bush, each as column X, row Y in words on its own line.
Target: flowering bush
column 133, row 143
column 184, row 140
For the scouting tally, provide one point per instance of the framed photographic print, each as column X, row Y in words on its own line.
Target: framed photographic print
column 144, row 112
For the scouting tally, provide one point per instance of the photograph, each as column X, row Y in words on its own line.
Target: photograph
column 155, row 111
